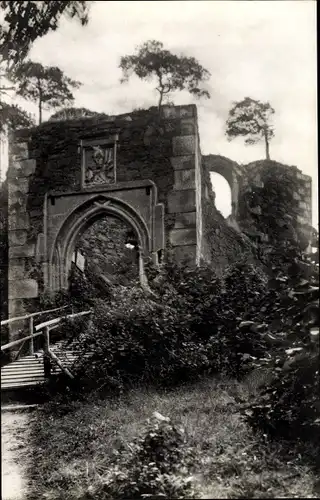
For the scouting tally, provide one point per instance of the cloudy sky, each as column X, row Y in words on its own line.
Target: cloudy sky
column 262, row 49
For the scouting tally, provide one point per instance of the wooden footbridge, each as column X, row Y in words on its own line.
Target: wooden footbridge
column 44, row 357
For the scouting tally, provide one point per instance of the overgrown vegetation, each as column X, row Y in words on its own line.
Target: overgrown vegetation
column 289, row 406
column 117, row 448
column 186, row 328
column 194, row 325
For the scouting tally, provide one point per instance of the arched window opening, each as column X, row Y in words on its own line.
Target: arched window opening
column 222, row 191
column 107, row 253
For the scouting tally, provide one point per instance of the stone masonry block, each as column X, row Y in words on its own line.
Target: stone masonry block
column 19, row 184
column 170, row 112
column 183, row 237
column 187, row 126
column 178, row 111
column 17, row 269
column 184, row 179
column 185, row 220
column 187, row 111
column 19, row 150
column 18, row 221
column 182, row 201
column 23, row 185
column 17, row 237
column 21, row 167
column 21, row 251
column 16, row 307
column 16, row 197
column 23, row 289
column 183, row 162
column 185, row 145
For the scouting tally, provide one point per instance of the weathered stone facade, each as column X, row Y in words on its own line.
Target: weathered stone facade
column 149, row 172
column 104, row 249
column 268, row 187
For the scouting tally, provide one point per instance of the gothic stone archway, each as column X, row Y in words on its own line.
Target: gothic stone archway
column 65, row 175
column 69, row 214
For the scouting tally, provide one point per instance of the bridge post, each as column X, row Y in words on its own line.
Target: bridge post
column 31, row 345
column 46, row 357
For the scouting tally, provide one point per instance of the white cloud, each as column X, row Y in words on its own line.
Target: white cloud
column 265, row 50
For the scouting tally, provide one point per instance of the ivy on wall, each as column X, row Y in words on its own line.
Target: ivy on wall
column 269, row 208
column 144, row 151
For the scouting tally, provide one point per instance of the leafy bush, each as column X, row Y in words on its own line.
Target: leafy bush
column 188, row 329
column 157, row 465
column 245, row 287
column 289, row 405
column 82, row 292
column 134, row 339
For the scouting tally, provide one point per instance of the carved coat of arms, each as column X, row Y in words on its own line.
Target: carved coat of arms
column 100, row 169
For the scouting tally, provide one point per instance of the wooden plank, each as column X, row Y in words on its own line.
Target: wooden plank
column 57, row 320
column 32, row 315
column 39, row 327
column 58, row 362
column 22, row 369
column 17, row 342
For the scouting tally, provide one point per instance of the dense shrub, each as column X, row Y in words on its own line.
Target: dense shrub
column 245, row 287
column 82, row 292
column 157, row 465
column 135, row 339
column 289, row 405
column 189, row 328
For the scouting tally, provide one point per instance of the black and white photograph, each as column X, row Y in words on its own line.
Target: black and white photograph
column 159, row 250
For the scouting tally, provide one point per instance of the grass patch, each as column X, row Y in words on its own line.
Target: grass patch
column 73, row 446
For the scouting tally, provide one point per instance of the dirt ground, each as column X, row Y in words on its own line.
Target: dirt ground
column 14, row 428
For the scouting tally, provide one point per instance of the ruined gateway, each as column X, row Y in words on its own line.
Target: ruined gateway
column 146, row 171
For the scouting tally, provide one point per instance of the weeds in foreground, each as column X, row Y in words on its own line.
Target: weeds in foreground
column 77, row 448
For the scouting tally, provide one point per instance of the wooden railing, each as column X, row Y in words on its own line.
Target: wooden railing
column 31, row 317
column 44, row 330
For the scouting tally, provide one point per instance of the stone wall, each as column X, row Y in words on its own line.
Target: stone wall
column 104, row 247
column 272, row 197
column 222, row 244
column 3, row 252
column 48, row 158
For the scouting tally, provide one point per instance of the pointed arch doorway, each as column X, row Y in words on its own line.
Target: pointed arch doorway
column 70, row 215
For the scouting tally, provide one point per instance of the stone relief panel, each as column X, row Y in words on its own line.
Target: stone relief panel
column 98, row 162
